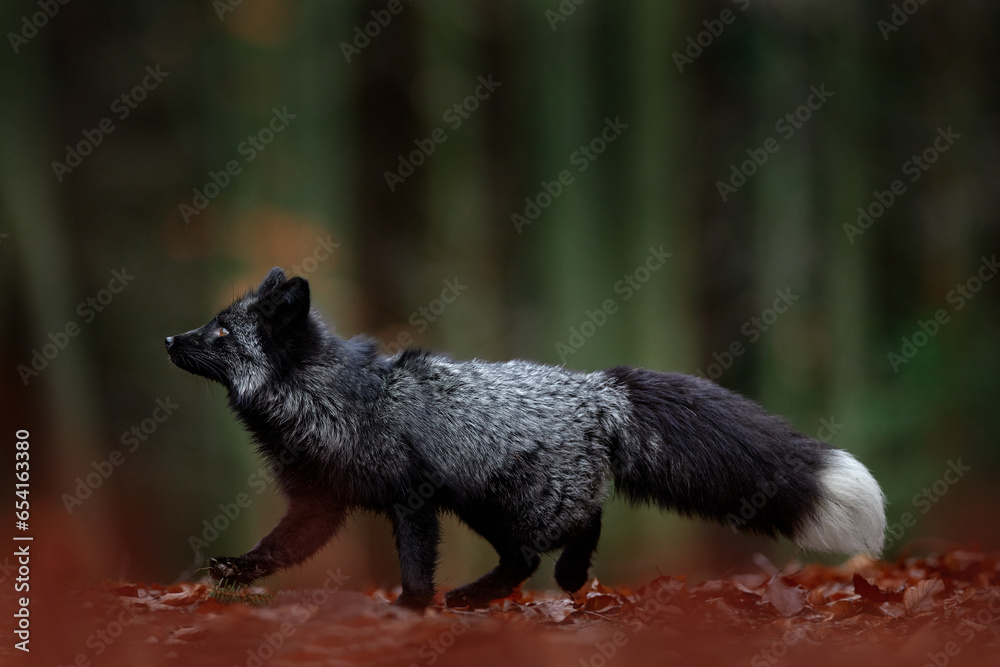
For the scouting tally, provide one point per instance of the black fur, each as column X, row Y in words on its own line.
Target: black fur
column 697, row 427
column 525, row 454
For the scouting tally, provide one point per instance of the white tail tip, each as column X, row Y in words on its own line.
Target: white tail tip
column 850, row 514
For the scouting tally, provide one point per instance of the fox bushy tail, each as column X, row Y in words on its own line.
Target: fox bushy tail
column 700, row 449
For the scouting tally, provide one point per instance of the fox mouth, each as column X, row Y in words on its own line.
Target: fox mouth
column 194, row 360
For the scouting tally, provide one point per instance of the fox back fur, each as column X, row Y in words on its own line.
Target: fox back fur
column 523, row 453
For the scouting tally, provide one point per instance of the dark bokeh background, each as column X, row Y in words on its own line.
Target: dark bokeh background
column 824, row 362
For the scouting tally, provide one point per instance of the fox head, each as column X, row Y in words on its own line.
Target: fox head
column 251, row 340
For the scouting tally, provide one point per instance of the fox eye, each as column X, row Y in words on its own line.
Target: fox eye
column 222, row 331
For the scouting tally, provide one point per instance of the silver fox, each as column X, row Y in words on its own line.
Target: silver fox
column 523, row 453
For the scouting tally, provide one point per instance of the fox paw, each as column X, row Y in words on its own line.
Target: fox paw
column 414, row 601
column 570, row 578
column 471, row 596
column 229, row 570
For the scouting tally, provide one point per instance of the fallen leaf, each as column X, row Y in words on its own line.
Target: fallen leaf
column 788, row 600
column 188, row 634
column 184, row 598
column 816, row 597
column 919, row 598
column 867, row 590
column 600, row 602
column 554, row 611
column 126, row 591
column 840, row 609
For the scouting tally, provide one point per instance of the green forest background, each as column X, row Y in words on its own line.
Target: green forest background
column 775, row 284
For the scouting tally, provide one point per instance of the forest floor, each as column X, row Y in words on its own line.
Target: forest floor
column 935, row 610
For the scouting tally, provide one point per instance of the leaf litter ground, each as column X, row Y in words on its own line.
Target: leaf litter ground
column 935, row 610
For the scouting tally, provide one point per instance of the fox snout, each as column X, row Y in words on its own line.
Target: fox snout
column 191, row 352
column 176, row 348
column 175, row 344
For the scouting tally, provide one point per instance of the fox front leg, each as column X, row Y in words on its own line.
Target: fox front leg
column 417, row 536
column 308, row 524
column 229, row 570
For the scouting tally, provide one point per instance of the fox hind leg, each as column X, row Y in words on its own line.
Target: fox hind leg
column 573, row 566
column 499, row 582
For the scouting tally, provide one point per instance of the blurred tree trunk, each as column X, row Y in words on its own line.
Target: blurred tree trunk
column 565, row 238
column 785, row 245
column 58, row 406
column 657, row 207
column 390, row 224
column 461, row 221
column 844, row 333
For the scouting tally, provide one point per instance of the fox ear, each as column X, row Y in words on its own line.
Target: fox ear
column 285, row 303
column 273, row 278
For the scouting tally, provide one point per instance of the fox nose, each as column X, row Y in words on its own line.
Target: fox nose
column 169, row 342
